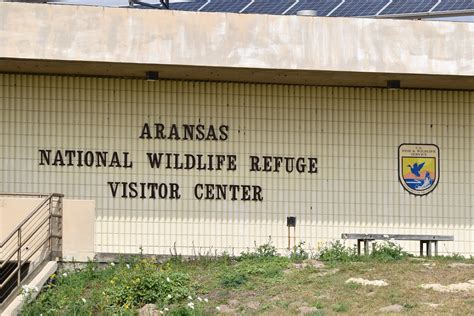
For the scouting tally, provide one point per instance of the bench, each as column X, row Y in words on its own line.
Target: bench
column 428, row 240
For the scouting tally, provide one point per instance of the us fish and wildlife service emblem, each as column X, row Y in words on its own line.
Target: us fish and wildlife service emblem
column 418, row 167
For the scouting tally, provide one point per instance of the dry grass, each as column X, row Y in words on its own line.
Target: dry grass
column 324, row 291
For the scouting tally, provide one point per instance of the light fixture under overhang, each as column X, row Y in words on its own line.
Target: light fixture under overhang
column 393, row 84
column 151, row 75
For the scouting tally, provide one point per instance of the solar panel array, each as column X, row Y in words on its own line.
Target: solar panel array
column 326, row 7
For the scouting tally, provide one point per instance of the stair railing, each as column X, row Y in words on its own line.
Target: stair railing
column 37, row 239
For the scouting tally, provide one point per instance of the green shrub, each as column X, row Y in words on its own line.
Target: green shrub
column 388, row 251
column 145, row 283
column 336, row 251
column 233, row 279
column 265, row 251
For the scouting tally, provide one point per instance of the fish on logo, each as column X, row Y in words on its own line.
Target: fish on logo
column 418, row 167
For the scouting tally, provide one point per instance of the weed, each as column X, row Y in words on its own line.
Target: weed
column 233, row 279
column 298, row 253
column 353, row 285
column 340, row 308
column 388, row 251
column 264, row 251
column 337, row 252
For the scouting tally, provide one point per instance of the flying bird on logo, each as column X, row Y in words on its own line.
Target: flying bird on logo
column 416, row 168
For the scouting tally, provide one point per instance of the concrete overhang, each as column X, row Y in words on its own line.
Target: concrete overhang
column 81, row 40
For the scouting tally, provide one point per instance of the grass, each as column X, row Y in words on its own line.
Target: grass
column 259, row 282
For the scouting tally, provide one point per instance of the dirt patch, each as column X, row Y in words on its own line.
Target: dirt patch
column 148, row 310
column 392, row 309
column 309, row 263
column 451, row 288
column 306, row 310
column 367, row 282
column 432, row 305
column 253, row 305
column 461, row 265
column 225, row 309
column 328, row 272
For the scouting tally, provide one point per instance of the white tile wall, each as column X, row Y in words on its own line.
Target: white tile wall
column 354, row 133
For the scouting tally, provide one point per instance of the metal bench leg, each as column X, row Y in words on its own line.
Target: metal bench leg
column 366, row 247
column 421, row 248
column 436, row 248
column 358, row 247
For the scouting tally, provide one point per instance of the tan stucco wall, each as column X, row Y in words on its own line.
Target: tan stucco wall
column 160, row 37
column 78, row 223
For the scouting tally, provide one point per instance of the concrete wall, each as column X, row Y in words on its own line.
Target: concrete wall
column 78, row 223
column 353, row 132
column 127, row 42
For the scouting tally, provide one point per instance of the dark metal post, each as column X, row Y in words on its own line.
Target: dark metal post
column 19, row 257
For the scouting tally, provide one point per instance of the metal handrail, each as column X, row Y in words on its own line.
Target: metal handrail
column 37, row 231
column 30, row 215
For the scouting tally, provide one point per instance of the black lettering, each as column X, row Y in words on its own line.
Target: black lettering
column 196, row 194
column 154, row 159
column 188, row 132
column 79, row 158
column 126, row 162
column 44, row 156
column 254, row 163
column 257, row 193
column 114, row 161
column 245, row 192
column 289, row 167
column 234, row 189
column 232, row 165
column 89, row 159
column 278, row 161
column 58, row 159
column 174, row 134
column 190, row 161
column 313, row 165
column 152, row 187
column 300, row 165
column 101, row 158
column 220, row 161
column 224, row 130
column 159, row 128
column 132, row 186
column 211, row 133
column 200, row 132
column 113, row 188
column 209, row 191
column 163, row 191
column 145, row 131
column 221, row 191
column 267, row 160
column 174, row 191
column 70, row 154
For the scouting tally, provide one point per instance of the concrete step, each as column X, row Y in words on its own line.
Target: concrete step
column 41, row 276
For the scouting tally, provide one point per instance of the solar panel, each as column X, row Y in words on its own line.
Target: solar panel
column 409, row 6
column 360, row 8
column 187, row 6
column 454, row 5
column 322, row 7
column 269, row 7
column 226, row 6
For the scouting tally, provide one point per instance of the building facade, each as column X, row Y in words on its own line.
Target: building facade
column 200, row 165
